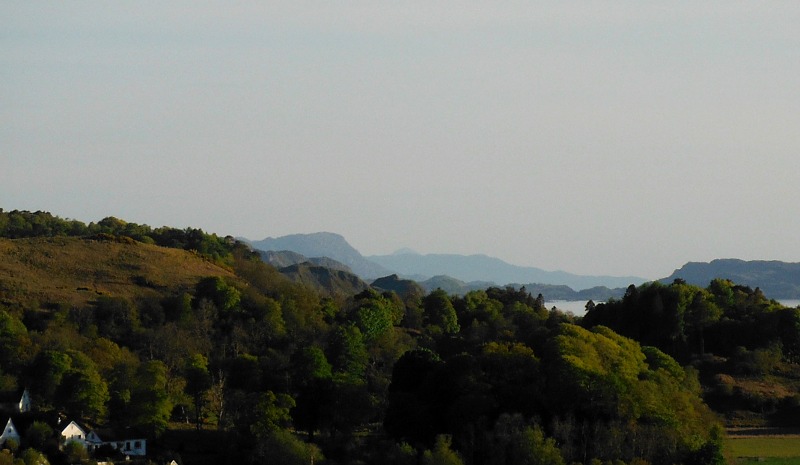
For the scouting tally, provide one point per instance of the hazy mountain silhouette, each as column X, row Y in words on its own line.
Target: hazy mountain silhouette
column 470, row 268
column 324, row 244
column 283, row 258
column 411, row 265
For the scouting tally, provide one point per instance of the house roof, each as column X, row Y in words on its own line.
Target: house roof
column 64, row 424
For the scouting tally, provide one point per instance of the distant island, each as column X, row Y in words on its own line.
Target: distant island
column 779, row 280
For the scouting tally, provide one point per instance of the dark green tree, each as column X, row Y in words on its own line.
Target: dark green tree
column 198, row 382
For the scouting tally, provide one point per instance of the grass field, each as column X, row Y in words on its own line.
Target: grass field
column 783, row 450
column 75, row 271
column 765, row 461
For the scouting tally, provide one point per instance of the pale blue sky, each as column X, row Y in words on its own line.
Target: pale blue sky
column 621, row 138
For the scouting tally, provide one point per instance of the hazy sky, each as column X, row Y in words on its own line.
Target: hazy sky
column 621, row 138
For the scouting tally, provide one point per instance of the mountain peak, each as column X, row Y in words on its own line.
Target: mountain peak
column 324, row 244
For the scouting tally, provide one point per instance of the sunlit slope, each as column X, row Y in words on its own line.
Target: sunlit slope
column 75, row 271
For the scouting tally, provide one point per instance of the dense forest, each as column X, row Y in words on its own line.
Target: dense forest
column 235, row 363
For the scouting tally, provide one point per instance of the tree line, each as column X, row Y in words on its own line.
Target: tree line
column 276, row 373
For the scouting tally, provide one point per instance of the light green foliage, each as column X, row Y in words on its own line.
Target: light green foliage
column 498, row 350
column 281, row 447
column 516, row 443
column 442, row 453
column 597, row 364
column 82, row 390
column 440, row 313
column 348, row 352
column 150, row 404
column 481, row 307
column 215, row 289
column 764, row 447
column 375, row 314
column 32, row 456
column 310, row 364
column 601, row 372
column 17, row 224
column 657, row 360
column 106, row 355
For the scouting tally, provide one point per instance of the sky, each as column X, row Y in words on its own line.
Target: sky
column 615, row 138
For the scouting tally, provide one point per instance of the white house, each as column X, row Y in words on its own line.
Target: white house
column 135, row 447
column 73, row 432
column 9, row 432
column 91, row 440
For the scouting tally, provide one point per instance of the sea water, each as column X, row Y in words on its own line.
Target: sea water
column 578, row 307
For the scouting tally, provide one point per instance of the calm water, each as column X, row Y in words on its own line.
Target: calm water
column 578, row 307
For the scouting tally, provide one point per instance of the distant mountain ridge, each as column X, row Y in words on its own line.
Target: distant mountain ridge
column 779, row 280
column 285, row 258
column 324, row 244
column 470, row 268
column 467, row 271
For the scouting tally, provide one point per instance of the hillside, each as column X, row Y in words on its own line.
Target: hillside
column 405, row 288
column 202, row 347
column 779, row 280
column 75, row 271
column 327, row 281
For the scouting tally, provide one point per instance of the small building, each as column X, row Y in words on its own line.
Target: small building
column 131, row 447
column 92, row 440
column 74, row 432
column 9, row 432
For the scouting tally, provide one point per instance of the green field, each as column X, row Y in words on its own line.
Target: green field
column 763, row 450
column 765, row 461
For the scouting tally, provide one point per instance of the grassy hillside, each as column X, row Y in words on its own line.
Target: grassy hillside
column 74, row 271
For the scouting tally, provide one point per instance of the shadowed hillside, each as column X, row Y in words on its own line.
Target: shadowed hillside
column 326, row 281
